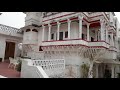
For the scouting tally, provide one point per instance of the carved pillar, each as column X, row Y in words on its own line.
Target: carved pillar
column 96, row 70
column 80, row 18
column 49, row 33
column 106, row 34
column 88, row 33
column 112, row 69
column 69, row 24
column 102, row 29
column 43, row 32
column 58, row 30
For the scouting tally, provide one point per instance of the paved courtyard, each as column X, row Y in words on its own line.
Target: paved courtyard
column 8, row 72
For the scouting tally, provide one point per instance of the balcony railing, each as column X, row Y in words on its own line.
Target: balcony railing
column 65, row 42
column 77, row 42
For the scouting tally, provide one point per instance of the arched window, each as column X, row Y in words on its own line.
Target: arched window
column 34, row 30
column 27, row 30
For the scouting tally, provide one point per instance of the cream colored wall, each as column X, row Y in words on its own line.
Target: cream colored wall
column 3, row 40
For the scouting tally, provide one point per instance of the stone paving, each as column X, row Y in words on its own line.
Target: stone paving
column 8, row 72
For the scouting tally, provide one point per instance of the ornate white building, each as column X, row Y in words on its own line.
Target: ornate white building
column 77, row 37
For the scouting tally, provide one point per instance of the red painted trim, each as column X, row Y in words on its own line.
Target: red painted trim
column 100, row 41
column 65, row 45
column 113, row 50
column 92, row 16
column 98, row 47
column 61, row 40
column 77, row 45
column 113, row 47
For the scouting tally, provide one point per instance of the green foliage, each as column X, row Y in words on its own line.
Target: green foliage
column 118, row 75
column 19, row 66
column 85, row 70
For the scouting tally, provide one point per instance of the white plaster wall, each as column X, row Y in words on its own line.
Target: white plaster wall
column 3, row 40
column 46, row 33
column 76, row 62
column 33, row 18
column 71, row 60
column 30, row 37
column 2, row 46
column 110, row 55
column 40, row 31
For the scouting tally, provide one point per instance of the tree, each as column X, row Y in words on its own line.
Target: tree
column 93, row 55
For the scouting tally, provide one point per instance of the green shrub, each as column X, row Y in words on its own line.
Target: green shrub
column 118, row 75
column 19, row 66
column 85, row 70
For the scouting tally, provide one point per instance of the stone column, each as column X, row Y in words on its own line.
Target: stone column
column 96, row 35
column 112, row 42
column 102, row 29
column 112, row 69
column 43, row 32
column 80, row 18
column 69, row 24
column 107, row 34
column 49, row 33
column 58, row 30
column 88, row 33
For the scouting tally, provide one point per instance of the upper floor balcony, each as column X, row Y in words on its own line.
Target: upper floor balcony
column 75, row 31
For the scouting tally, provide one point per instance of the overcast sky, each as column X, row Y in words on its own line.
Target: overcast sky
column 17, row 19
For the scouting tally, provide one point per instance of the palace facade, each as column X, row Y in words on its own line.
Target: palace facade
column 80, row 38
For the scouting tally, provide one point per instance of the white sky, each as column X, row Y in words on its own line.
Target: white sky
column 17, row 19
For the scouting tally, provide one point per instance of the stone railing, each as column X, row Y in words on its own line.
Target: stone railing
column 76, row 42
column 10, row 31
column 64, row 42
column 53, row 67
column 36, row 55
column 30, row 71
column 99, row 44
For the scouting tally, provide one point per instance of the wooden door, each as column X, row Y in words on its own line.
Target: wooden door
column 9, row 50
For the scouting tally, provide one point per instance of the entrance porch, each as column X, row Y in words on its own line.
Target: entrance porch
column 106, row 69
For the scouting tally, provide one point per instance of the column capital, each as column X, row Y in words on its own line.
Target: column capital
column 88, row 24
column 69, row 21
column 49, row 25
column 58, row 23
column 80, row 17
column 102, row 21
column 43, row 25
